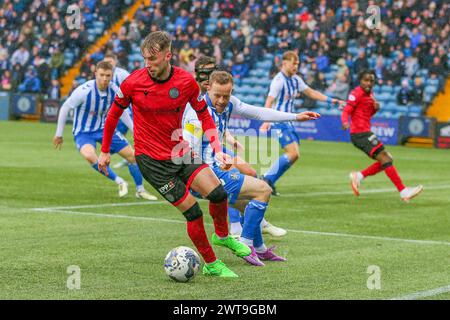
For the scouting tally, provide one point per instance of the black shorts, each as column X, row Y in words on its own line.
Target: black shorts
column 171, row 180
column 368, row 143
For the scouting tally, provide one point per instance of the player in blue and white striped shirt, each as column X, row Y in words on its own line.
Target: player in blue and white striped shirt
column 119, row 75
column 245, row 193
column 91, row 102
column 284, row 89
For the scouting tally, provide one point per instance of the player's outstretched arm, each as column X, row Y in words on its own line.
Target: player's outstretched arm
column 62, row 118
column 307, row 115
column 270, row 115
column 316, row 95
column 269, row 102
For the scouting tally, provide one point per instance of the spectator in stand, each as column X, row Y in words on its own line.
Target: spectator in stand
column 379, row 68
column 404, row 95
column 417, row 91
column 31, row 84
column 361, row 62
column 56, row 63
column 240, row 69
column 54, row 92
column 256, row 51
column 322, row 61
column 21, row 56
column 339, row 88
column 393, row 73
column 411, row 66
column 6, row 81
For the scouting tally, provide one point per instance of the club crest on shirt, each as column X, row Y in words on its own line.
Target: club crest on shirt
column 174, row 93
column 351, row 97
column 200, row 97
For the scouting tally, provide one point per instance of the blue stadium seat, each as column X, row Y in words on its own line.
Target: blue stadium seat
column 386, row 89
column 432, row 82
column 430, row 89
column 415, row 109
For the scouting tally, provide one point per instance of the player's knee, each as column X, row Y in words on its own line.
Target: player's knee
column 193, row 212
column 218, row 195
column 386, row 165
column 293, row 156
column 265, row 192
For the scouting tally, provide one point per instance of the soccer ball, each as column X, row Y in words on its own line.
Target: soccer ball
column 182, row 264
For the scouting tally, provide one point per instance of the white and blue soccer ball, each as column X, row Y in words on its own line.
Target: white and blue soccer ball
column 182, row 264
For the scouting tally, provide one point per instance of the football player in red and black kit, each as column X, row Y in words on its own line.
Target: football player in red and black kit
column 361, row 106
column 159, row 94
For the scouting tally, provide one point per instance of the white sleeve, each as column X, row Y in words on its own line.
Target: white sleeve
column 76, row 99
column 126, row 119
column 301, row 85
column 122, row 75
column 192, row 131
column 275, row 87
column 260, row 113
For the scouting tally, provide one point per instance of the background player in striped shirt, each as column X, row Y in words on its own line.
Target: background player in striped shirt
column 284, row 89
column 361, row 106
column 246, row 193
column 204, row 66
column 119, row 75
column 91, row 102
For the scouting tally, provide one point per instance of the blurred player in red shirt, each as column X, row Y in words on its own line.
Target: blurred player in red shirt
column 361, row 106
column 159, row 94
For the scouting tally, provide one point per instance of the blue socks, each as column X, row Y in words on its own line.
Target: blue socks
column 278, row 169
column 234, row 215
column 111, row 174
column 254, row 213
column 136, row 174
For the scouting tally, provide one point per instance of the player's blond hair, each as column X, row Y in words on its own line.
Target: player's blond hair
column 157, row 41
column 290, row 55
column 221, row 77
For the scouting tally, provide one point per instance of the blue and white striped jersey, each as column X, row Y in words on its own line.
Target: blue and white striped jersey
column 284, row 90
column 192, row 129
column 90, row 106
column 119, row 75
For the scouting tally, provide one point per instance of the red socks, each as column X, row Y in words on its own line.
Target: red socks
column 392, row 173
column 196, row 231
column 372, row 170
column 219, row 213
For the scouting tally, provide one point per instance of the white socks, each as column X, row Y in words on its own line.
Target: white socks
column 246, row 241
column 263, row 223
column 119, row 180
column 235, row 228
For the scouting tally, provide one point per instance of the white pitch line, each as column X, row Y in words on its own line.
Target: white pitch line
column 287, row 195
column 361, row 236
column 424, row 294
column 330, row 234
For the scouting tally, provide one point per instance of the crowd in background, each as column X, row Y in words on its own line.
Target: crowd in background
column 34, row 36
column 413, row 35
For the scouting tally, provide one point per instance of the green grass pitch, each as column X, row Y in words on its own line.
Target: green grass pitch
column 120, row 244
